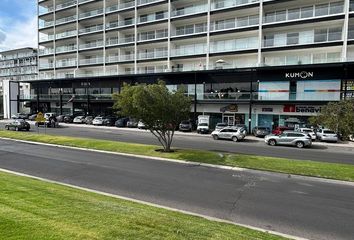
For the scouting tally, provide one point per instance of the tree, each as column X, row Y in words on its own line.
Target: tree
column 159, row 109
column 338, row 116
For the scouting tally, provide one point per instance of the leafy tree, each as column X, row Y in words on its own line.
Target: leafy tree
column 159, row 109
column 338, row 116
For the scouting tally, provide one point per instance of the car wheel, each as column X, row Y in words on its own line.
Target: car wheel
column 16, row 129
column 300, row 144
column 272, row 142
column 235, row 139
column 215, row 137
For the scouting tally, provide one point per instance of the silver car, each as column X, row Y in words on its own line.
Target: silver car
column 308, row 131
column 327, row 135
column 231, row 133
column 290, row 138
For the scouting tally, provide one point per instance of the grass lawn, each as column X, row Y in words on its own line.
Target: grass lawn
column 300, row 167
column 35, row 210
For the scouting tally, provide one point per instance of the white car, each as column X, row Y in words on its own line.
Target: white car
column 141, row 125
column 203, row 128
column 231, row 133
column 79, row 119
column 327, row 135
column 351, row 137
column 97, row 121
column 308, row 131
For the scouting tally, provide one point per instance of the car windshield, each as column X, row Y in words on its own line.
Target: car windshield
column 98, row 118
column 221, row 125
column 203, row 124
column 328, row 132
column 262, row 128
column 185, row 122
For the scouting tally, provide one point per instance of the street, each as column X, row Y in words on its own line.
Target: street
column 317, row 152
column 293, row 205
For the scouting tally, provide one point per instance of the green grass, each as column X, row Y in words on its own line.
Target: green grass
column 35, row 210
column 299, row 167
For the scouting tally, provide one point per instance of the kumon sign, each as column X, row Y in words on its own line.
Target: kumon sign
column 302, row 75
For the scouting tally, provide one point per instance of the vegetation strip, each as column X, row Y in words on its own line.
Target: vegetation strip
column 33, row 209
column 344, row 172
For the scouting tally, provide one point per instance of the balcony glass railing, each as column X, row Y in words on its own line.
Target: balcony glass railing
column 65, row 49
column 219, row 4
column 67, row 63
column 117, row 41
column 65, row 20
column 190, row 29
column 145, row 36
column 118, row 24
column 45, row 10
column 300, row 40
column 299, row 59
column 234, row 23
column 65, row 5
column 152, row 17
column 189, row 10
column 142, row 2
column 46, row 51
column 120, row 6
column 44, row 24
column 189, row 50
column 152, row 69
column 91, row 29
column 45, row 65
column 91, row 45
column 152, row 54
column 318, row 10
column 120, row 58
column 46, row 38
column 91, row 13
column 234, row 45
column 90, row 61
column 66, row 34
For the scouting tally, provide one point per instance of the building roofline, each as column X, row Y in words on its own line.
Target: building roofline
column 18, row 49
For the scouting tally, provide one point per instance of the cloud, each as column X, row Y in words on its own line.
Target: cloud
column 20, row 34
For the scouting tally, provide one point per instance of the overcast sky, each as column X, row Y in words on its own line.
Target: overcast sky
column 18, row 24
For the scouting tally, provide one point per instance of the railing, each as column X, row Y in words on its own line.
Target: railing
column 65, row 5
column 152, row 17
column 120, row 58
column 189, row 50
column 46, row 38
column 152, row 69
column 157, row 34
column 65, row 20
column 65, row 49
column 46, row 65
column 234, row 45
column 189, row 10
column 46, row 51
column 91, row 29
column 231, row 3
column 90, row 13
column 152, row 54
column 90, row 61
column 191, row 29
column 117, row 24
column 66, row 97
column 45, row 24
column 142, row 2
column 67, row 63
column 116, row 41
column 120, row 6
column 234, row 23
column 95, row 44
column 66, row 34
column 45, row 10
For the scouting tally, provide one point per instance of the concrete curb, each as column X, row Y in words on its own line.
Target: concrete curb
column 153, row 204
column 222, row 167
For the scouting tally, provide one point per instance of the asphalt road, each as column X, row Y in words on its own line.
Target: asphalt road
column 298, row 206
column 316, row 153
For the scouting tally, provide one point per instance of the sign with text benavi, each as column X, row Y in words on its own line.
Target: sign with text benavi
column 291, row 108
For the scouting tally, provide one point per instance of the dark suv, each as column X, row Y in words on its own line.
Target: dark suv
column 17, row 125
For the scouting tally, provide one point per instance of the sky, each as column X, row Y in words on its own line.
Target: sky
column 18, row 24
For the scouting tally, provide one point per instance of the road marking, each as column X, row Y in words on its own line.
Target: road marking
column 152, row 204
column 223, row 167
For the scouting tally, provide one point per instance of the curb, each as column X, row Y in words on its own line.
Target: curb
column 153, row 205
column 208, row 165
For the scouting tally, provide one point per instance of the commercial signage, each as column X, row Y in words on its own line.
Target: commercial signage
column 290, row 108
column 229, row 108
column 302, row 75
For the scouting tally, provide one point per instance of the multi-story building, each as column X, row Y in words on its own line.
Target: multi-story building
column 17, row 68
column 266, row 62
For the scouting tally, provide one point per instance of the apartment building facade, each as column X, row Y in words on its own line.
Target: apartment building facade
column 17, row 68
column 259, row 61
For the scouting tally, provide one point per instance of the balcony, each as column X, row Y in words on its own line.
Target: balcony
column 187, row 50
column 66, row 20
column 302, row 58
column 120, row 58
column 301, row 40
column 152, row 54
column 45, row 10
column 63, row 49
column 66, row 63
column 190, row 10
column 144, row 2
column 91, row 14
column 91, row 29
column 120, row 6
column 319, row 10
column 152, row 35
column 46, row 38
column 152, row 17
column 46, row 51
column 117, row 41
column 65, row 5
column 117, row 24
column 45, row 65
column 190, row 29
column 234, row 23
column 152, row 69
column 66, row 34
column 230, row 3
column 91, row 61
column 45, row 24
column 91, row 45
column 234, row 45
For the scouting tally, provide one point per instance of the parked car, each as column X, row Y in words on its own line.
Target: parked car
column 309, row 131
column 60, row 118
column 220, row 126
column 203, row 128
column 32, row 117
column 242, row 126
column 280, row 130
column 68, row 118
column 230, row 133
column 327, row 135
column 121, row 122
column 79, row 119
column 185, row 126
column 109, row 120
column 20, row 116
column 351, row 137
column 290, row 138
column 17, row 125
column 49, row 115
column 260, row 131
column 141, row 125
column 132, row 123
column 97, row 121
column 88, row 120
